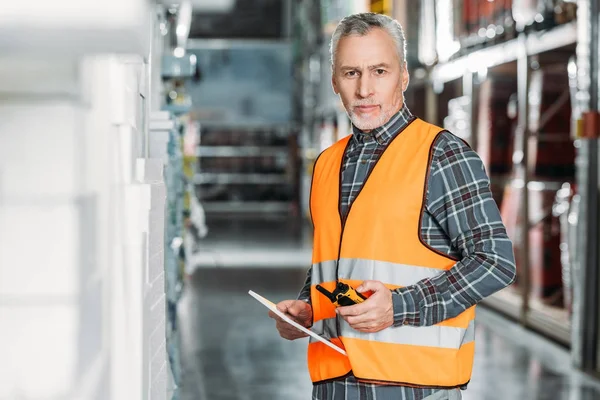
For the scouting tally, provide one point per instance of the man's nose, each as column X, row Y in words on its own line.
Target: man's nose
column 365, row 88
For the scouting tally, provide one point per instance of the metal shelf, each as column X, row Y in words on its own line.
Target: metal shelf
column 236, row 44
column 493, row 56
column 225, row 178
column 508, row 301
column 551, row 321
column 177, row 108
column 244, row 125
column 240, row 151
column 246, row 206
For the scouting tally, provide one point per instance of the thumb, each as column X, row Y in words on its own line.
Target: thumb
column 285, row 305
column 372, row 286
column 298, row 309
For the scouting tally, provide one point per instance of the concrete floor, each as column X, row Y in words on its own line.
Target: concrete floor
column 232, row 351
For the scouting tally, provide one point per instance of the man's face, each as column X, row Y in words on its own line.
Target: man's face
column 369, row 78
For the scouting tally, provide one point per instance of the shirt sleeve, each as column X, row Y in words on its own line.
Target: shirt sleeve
column 304, row 294
column 460, row 201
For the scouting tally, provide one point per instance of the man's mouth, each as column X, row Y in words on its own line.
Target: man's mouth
column 366, row 108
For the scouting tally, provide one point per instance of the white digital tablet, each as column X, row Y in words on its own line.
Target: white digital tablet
column 271, row 306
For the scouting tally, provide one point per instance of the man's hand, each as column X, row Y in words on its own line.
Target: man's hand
column 299, row 311
column 374, row 314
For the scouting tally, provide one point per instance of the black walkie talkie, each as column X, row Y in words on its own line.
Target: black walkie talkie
column 343, row 295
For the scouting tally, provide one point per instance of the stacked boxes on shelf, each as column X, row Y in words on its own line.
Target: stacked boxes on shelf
column 551, row 163
column 551, row 150
column 495, row 125
column 544, row 237
column 164, row 143
column 245, row 167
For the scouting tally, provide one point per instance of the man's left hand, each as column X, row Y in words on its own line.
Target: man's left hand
column 374, row 314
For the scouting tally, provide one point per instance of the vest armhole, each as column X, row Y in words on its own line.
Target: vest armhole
column 312, row 182
column 424, row 201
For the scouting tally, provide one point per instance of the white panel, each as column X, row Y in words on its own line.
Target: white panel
column 22, row 75
column 125, row 148
column 157, row 338
column 126, row 94
column 156, row 263
column 45, row 153
column 158, row 386
column 157, row 145
column 39, row 250
column 73, row 13
column 39, row 351
column 149, row 170
column 158, row 199
column 65, row 27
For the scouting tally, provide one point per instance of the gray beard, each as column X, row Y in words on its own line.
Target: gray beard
column 370, row 123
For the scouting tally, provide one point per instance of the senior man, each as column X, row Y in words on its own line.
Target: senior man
column 402, row 211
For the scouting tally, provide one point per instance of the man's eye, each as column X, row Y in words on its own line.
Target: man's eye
column 351, row 74
column 380, row 71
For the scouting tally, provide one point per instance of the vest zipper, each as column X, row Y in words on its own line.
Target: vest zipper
column 343, row 219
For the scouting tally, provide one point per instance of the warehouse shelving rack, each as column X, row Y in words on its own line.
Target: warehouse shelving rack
column 515, row 55
column 280, row 179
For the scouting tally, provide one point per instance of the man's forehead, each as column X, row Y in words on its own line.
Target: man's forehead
column 376, row 47
column 367, row 60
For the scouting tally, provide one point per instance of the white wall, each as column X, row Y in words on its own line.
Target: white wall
column 82, row 311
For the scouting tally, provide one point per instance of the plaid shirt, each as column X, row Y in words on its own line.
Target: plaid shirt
column 460, row 219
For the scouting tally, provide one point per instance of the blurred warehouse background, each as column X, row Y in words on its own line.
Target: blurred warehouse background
column 155, row 165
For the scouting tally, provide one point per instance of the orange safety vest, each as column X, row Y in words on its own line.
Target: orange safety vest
column 381, row 240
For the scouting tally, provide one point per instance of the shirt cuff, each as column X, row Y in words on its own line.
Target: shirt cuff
column 305, row 297
column 404, row 304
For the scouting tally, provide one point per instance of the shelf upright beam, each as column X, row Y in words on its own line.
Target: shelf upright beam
column 432, row 90
column 584, row 348
column 468, row 89
column 521, row 163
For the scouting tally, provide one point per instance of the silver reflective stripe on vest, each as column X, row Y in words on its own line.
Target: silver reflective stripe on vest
column 323, row 272
column 387, row 272
column 362, row 270
column 326, row 328
column 469, row 334
column 431, row 336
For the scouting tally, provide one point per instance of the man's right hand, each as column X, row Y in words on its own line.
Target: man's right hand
column 297, row 310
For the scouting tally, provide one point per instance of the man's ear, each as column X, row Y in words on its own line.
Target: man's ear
column 405, row 77
column 334, row 84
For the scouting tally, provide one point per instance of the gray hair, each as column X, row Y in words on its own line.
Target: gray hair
column 363, row 23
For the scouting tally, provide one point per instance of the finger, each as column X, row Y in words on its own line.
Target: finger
column 356, row 309
column 295, row 308
column 284, row 326
column 373, row 286
column 289, row 332
column 369, row 325
column 367, row 329
column 360, row 319
column 275, row 316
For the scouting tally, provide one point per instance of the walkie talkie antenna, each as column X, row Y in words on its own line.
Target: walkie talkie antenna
column 327, row 293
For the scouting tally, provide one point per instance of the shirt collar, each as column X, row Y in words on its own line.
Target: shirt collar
column 386, row 132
